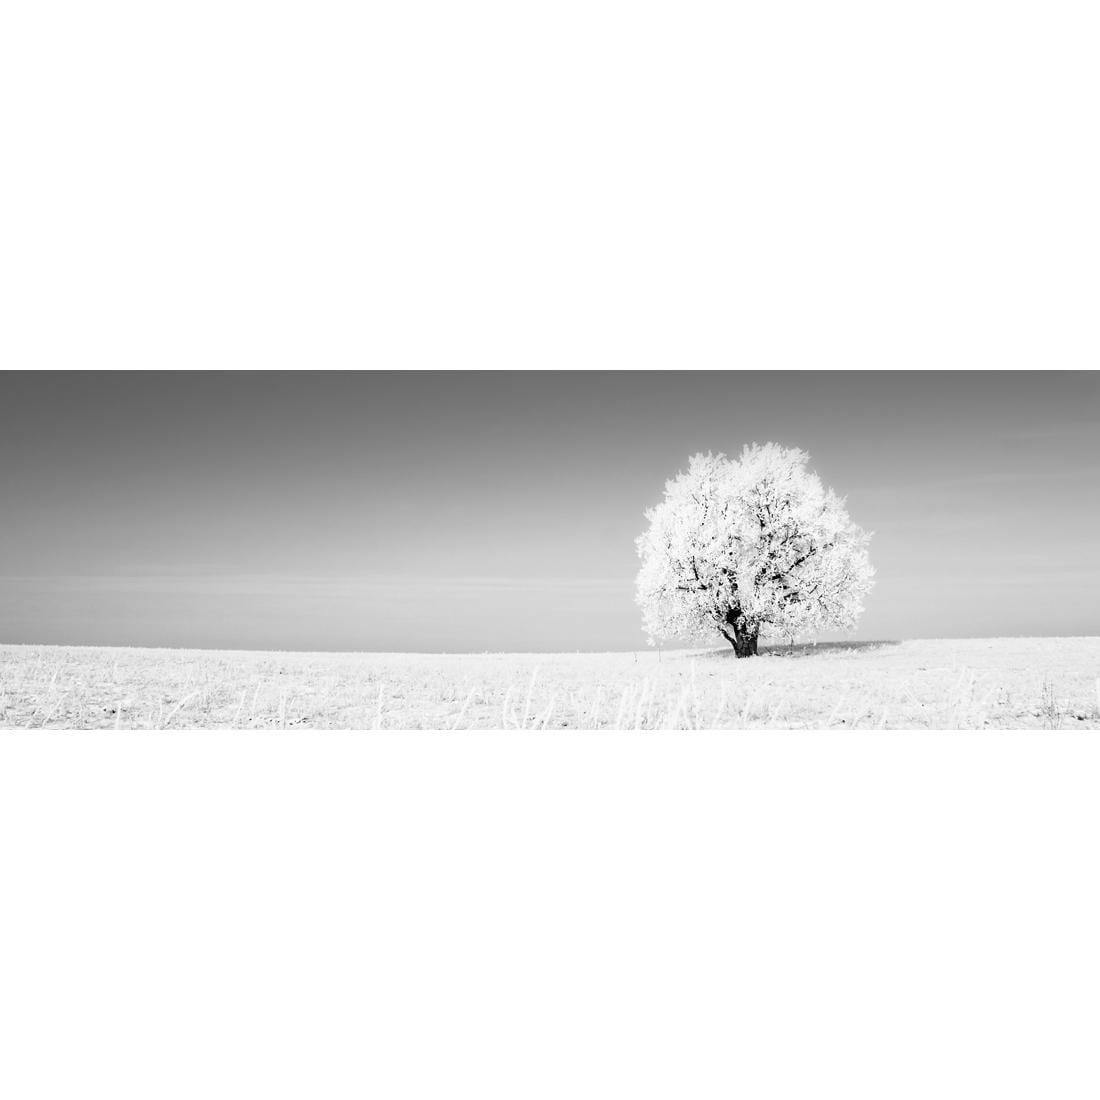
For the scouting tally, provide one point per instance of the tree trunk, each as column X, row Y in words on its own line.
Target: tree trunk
column 741, row 635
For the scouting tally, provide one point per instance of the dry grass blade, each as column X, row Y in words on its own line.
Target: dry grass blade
column 530, row 689
column 462, row 712
column 378, row 707
column 176, row 709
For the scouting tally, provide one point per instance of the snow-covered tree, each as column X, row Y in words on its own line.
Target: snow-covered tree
column 749, row 547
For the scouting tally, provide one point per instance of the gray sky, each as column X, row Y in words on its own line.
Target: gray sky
column 573, row 185
column 471, row 511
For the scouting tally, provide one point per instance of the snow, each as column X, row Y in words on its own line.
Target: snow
column 1034, row 683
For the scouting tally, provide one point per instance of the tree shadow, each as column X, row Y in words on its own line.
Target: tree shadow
column 808, row 649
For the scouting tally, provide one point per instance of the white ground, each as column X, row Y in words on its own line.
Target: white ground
column 1043, row 683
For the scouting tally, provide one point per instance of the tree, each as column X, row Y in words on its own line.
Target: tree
column 749, row 547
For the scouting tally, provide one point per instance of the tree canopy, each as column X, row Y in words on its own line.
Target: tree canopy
column 750, row 547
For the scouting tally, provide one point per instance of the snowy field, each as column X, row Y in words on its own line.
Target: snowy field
column 1033, row 683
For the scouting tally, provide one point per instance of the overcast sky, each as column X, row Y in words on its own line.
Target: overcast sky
column 583, row 184
column 471, row 511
